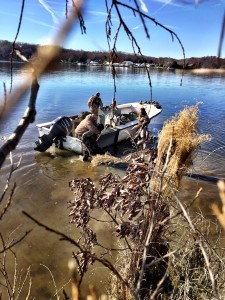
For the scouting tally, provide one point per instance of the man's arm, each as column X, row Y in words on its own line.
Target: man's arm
column 92, row 127
column 90, row 101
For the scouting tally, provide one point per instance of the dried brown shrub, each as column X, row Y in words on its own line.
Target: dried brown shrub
column 145, row 224
column 178, row 141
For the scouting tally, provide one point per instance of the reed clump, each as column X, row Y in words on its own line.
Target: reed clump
column 219, row 208
column 177, row 145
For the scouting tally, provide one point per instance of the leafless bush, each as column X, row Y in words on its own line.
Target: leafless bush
column 14, row 283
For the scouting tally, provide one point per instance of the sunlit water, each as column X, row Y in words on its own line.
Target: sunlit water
column 42, row 179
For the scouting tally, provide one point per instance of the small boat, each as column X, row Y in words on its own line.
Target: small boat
column 118, row 123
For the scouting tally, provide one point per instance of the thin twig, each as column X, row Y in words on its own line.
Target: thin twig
column 221, row 37
column 5, row 248
column 153, row 295
column 62, row 235
column 145, row 255
column 173, row 34
column 53, row 280
column 14, row 42
column 8, row 202
column 68, row 239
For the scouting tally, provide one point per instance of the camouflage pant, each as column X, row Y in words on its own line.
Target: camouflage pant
column 89, row 139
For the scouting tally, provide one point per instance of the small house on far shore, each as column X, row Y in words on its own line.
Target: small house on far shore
column 127, row 63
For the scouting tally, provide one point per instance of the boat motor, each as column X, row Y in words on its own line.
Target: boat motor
column 60, row 129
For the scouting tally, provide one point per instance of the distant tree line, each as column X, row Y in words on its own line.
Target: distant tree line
column 81, row 56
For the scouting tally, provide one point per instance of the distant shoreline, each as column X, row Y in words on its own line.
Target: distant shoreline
column 97, row 58
column 193, row 71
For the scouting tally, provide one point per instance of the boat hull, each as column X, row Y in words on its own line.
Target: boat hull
column 116, row 128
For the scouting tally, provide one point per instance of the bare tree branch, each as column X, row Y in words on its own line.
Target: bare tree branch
column 122, row 24
column 28, row 118
column 14, row 42
column 173, row 34
column 142, row 19
column 68, row 239
column 5, row 248
column 221, row 37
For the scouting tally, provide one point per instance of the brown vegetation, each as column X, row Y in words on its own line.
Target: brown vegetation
column 142, row 210
column 177, row 143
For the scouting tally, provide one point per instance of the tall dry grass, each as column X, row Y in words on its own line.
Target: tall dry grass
column 177, row 145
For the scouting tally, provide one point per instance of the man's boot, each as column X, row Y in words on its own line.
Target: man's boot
column 85, row 156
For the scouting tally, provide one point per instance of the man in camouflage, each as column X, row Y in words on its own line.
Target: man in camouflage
column 88, row 131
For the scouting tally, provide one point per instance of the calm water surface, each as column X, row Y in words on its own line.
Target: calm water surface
column 42, row 180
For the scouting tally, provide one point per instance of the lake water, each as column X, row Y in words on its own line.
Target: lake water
column 42, row 179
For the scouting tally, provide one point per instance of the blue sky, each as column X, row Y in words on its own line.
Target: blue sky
column 196, row 22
